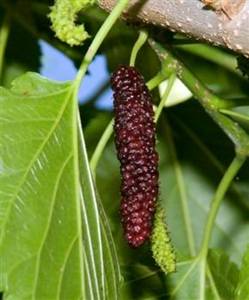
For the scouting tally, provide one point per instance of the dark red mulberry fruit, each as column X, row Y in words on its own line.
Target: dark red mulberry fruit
column 135, row 142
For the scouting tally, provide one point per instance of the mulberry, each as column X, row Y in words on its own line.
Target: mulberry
column 63, row 16
column 135, row 142
column 163, row 251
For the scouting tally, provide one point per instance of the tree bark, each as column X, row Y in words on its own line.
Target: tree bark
column 227, row 26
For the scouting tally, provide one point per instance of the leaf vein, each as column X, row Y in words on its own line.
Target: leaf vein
column 50, row 214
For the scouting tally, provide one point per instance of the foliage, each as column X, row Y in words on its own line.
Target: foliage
column 242, row 288
column 60, row 232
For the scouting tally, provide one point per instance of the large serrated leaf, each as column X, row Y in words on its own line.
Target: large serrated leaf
column 225, row 274
column 40, row 225
column 242, row 292
column 219, row 282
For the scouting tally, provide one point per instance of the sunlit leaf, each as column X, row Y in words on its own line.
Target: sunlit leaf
column 40, row 221
column 242, row 292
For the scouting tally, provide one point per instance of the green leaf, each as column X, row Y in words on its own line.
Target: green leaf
column 186, row 283
column 224, row 272
column 191, row 166
column 242, row 292
column 40, row 221
column 189, row 281
column 39, row 197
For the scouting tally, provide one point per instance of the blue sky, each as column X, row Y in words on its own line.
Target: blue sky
column 57, row 66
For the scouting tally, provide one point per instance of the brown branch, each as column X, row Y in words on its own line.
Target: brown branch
column 227, row 26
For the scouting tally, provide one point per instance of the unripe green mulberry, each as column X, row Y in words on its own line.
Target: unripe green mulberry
column 162, row 249
column 63, row 16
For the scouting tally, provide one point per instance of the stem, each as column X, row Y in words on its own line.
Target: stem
column 101, row 146
column 165, row 96
column 4, row 33
column 219, row 195
column 109, row 129
column 156, row 80
column 143, row 35
column 98, row 39
column 210, row 102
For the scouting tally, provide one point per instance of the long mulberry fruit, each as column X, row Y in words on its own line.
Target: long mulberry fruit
column 135, row 142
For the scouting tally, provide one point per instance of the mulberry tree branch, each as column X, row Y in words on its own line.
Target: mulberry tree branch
column 228, row 27
column 210, row 102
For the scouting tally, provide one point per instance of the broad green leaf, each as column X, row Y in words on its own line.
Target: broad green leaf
column 192, row 282
column 225, row 274
column 40, row 220
column 242, row 292
column 187, row 283
column 38, row 160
